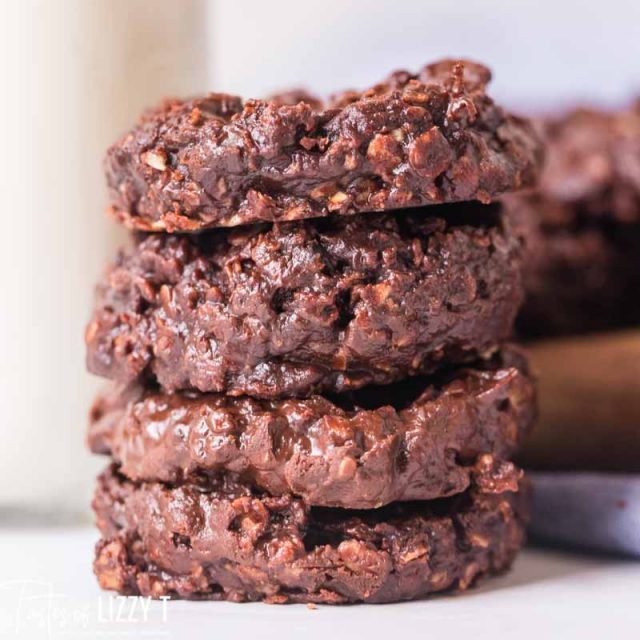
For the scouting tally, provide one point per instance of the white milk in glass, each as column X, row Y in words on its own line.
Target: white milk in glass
column 75, row 74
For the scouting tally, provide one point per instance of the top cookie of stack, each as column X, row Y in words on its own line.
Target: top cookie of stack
column 219, row 161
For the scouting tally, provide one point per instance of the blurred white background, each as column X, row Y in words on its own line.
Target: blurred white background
column 76, row 73
column 542, row 52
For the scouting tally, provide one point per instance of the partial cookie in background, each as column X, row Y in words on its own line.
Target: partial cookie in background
column 593, row 166
column 227, row 543
column 582, row 226
column 325, row 305
column 429, row 138
column 418, row 439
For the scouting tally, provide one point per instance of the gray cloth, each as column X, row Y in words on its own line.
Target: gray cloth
column 597, row 511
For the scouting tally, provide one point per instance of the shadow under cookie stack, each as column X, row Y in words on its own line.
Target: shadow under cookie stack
column 313, row 399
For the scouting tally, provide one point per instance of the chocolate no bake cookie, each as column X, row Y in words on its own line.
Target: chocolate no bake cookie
column 583, row 226
column 592, row 166
column 214, row 161
column 229, row 543
column 323, row 305
column 414, row 440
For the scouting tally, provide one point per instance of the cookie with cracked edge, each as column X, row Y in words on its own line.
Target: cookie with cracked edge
column 326, row 305
column 231, row 544
column 414, row 139
column 418, row 439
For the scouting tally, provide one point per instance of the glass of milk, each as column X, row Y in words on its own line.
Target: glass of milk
column 76, row 74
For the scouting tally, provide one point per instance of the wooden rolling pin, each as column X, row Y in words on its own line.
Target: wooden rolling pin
column 589, row 395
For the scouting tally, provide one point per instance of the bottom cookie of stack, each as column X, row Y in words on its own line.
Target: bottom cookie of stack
column 229, row 542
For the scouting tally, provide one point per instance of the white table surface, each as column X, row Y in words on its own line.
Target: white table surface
column 47, row 591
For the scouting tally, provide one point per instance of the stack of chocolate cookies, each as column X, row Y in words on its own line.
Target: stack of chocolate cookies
column 312, row 397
